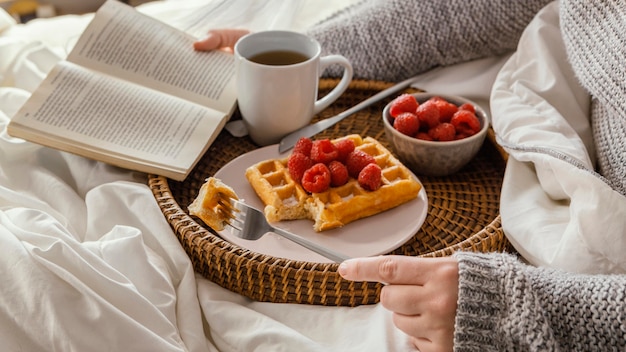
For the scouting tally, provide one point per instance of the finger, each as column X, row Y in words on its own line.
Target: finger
column 427, row 326
column 425, row 345
column 404, row 299
column 210, row 42
column 426, row 336
column 219, row 38
column 438, row 296
column 392, row 269
column 386, row 269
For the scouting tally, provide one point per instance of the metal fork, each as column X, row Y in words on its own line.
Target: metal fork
column 250, row 224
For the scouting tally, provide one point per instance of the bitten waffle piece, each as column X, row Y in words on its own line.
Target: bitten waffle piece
column 285, row 199
column 206, row 205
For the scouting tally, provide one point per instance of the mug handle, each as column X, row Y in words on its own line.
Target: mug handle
column 329, row 98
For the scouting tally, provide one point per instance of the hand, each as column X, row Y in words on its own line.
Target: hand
column 421, row 292
column 222, row 39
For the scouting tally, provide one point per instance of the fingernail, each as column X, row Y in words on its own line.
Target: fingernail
column 343, row 269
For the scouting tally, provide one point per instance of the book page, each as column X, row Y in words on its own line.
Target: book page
column 115, row 117
column 122, row 42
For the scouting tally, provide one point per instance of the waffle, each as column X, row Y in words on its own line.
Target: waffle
column 285, row 199
column 206, row 205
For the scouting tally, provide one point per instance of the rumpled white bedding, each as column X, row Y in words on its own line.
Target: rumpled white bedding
column 89, row 263
column 556, row 213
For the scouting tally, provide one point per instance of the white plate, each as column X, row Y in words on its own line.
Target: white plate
column 374, row 235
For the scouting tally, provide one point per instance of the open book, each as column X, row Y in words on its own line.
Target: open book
column 132, row 93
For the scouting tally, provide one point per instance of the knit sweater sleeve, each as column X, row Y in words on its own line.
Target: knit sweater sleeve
column 505, row 305
column 594, row 34
column 396, row 39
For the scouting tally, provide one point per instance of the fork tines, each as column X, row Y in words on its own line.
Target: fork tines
column 228, row 209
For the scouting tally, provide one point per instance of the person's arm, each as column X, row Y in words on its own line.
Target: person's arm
column 421, row 293
column 395, row 39
column 505, row 305
column 392, row 40
column 493, row 302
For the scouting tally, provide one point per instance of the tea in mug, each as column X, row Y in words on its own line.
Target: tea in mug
column 278, row 57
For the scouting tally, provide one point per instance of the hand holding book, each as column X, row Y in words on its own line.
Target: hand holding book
column 130, row 94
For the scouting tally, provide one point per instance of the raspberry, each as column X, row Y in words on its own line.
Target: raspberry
column 446, row 109
column 443, row 132
column 344, row 147
column 407, row 123
column 297, row 164
column 323, row 151
column 370, row 177
column 338, row 173
column 428, row 114
column 423, row 135
column 461, row 135
column 468, row 107
column 465, row 122
column 303, row 145
column 356, row 161
column 403, row 103
column 316, row 179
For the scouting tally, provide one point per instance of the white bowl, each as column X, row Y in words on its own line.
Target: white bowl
column 436, row 158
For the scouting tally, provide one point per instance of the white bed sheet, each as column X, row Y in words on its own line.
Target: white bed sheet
column 88, row 261
column 556, row 213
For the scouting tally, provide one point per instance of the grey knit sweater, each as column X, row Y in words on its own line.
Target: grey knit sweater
column 507, row 306
column 503, row 304
column 594, row 33
column 395, row 39
column 392, row 40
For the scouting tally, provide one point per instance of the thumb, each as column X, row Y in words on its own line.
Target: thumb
column 219, row 38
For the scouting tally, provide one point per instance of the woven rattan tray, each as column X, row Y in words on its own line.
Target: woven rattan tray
column 462, row 215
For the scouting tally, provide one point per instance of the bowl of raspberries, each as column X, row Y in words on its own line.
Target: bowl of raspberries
column 434, row 134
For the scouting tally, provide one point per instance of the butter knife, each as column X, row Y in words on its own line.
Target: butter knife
column 310, row 130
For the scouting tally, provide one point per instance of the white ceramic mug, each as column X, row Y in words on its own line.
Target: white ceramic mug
column 278, row 98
